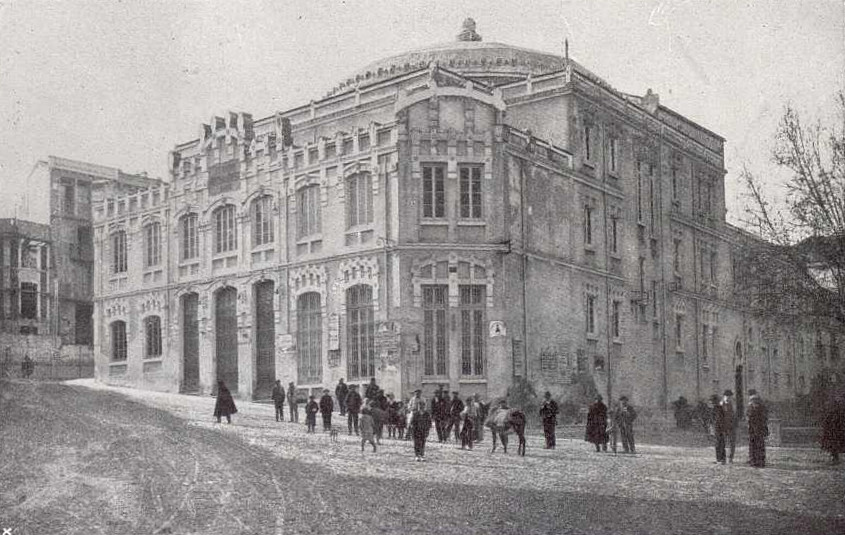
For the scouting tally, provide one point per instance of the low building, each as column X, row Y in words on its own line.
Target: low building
column 463, row 214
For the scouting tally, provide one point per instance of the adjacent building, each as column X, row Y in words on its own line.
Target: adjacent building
column 463, row 214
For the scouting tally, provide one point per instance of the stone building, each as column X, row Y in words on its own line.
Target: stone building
column 463, row 214
column 26, row 279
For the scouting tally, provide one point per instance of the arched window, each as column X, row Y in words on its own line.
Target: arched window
column 152, row 335
column 188, row 237
column 118, row 340
column 225, row 235
column 262, row 221
column 152, row 244
column 118, row 252
column 309, row 321
column 360, row 360
column 359, row 200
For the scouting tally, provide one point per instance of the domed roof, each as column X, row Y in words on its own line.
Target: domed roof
column 493, row 63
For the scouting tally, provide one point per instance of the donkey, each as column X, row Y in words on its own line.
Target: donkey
column 514, row 421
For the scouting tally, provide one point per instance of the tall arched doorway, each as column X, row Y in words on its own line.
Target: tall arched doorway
column 265, row 339
column 190, row 344
column 738, row 382
column 226, row 336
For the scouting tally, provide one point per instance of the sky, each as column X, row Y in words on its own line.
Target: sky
column 119, row 83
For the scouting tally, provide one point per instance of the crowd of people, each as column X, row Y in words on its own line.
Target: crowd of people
column 464, row 420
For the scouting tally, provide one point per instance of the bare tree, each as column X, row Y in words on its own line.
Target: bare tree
column 802, row 260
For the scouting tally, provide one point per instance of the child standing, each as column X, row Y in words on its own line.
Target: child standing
column 311, row 411
column 367, row 427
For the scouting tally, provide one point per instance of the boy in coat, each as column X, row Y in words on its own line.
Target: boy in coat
column 279, row 401
column 367, row 426
column 326, row 408
column 311, row 410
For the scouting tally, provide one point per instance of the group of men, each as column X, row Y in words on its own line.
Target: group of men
column 725, row 421
column 605, row 426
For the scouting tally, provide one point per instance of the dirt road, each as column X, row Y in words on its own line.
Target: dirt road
column 75, row 460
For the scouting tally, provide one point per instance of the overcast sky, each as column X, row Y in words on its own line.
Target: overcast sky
column 120, row 83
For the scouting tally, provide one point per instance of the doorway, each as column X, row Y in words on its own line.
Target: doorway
column 226, row 337
column 190, row 344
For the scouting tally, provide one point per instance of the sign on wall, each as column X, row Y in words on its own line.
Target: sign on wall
column 497, row 328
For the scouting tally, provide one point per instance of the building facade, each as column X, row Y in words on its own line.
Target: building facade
column 26, row 279
column 463, row 214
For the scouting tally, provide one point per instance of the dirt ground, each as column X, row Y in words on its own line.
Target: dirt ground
column 83, row 458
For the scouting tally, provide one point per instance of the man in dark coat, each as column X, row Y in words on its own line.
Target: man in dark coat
column 440, row 413
column 225, row 405
column 758, row 430
column 279, row 401
column 326, row 408
column 340, row 392
column 597, row 424
column 353, row 407
column 456, row 407
column 624, row 418
column 293, row 406
column 720, row 427
column 379, row 419
column 833, row 428
column 420, row 426
column 548, row 416
column 372, row 390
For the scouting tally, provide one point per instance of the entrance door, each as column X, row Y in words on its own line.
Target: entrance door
column 265, row 339
column 226, row 335
column 190, row 344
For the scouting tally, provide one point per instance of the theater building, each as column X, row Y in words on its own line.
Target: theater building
column 463, row 214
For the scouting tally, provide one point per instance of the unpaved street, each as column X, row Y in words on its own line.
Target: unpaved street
column 104, row 460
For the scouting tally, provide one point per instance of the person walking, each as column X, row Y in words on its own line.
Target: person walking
column 596, row 432
column 498, row 424
column 278, row 396
column 481, row 416
column 832, row 437
column 469, row 416
column 340, row 392
column 353, row 407
column 731, row 423
column 225, row 404
column 625, row 417
column 311, row 410
column 758, row 430
column 719, row 427
column 367, row 428
column 420, row 427
column 293, row 405
column 437, row 412
column 456, row 407
column 326, row 408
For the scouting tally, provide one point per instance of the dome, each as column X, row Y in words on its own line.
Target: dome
column 492, row 63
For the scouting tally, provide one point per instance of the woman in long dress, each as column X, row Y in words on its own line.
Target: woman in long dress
column 225, row 405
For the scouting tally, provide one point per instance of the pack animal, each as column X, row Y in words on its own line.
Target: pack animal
column 514, row 421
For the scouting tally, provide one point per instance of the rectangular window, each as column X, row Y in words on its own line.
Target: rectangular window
column 69, row 198
column 435, row 306
column 679, row 332
column 588, row 143
column 588, row 225
column 29, row 300
column 470, row 192
column 613, row 150
column 308, row 211
column 152, row 244
column 262, row 221
column 639, row 192
column 615, row 319
column 118, row 340
column 434, row 191
column 359, row 200
column 472, row 307
column 704, row 349
column 651, row 195
column 654, row 299
column 118, row 248
column 614, row 235
column 591, row 314
column 674, row 183
column 713, row 269
column 189, row 237
column 152, row 327
column 676, row 256
column 225, row 234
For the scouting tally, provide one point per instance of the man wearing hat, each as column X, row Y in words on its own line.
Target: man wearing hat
column 720, row 427
column 731, row 422
column 758, row 430
column 548, row 415
column 326, row 408
column 456, row 407
column 625, row 416
column 293, row 406
column 278, row 397
column 353, row 407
